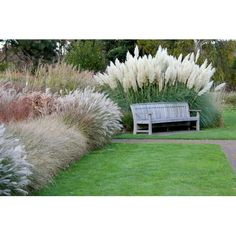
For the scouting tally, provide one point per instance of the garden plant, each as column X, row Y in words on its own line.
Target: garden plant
column 163, row 78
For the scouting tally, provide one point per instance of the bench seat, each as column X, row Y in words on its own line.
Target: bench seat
column 168, row 121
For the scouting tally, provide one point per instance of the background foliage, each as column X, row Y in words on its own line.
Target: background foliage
column 95, row 54
column 220, row 52
column 87, row 55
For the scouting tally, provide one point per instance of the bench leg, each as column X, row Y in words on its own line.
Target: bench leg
column 150, row 129
column 135, row 129
column 198, row 125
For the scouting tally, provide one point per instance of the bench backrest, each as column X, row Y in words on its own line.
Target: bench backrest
column 160, row 110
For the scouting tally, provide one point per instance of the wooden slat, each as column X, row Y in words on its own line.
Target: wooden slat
column 161, row 111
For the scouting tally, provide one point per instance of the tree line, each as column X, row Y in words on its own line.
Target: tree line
column 95, row 55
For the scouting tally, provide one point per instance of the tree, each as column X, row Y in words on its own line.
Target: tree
column 96, row 54
column 87, row 55
column 175, row 47
column 32, row 52
column 222, row 55
column 118, row 49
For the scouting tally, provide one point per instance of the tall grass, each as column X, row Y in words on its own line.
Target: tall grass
column 50, row 146
column 15, row 79
column 7, row 94
column 11, row 108
column 163, row 78
column 17, row 106
column 62, row 77
column 93, row 113
column 59, row 77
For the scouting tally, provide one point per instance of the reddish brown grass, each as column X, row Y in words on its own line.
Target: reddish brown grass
column 27, row 106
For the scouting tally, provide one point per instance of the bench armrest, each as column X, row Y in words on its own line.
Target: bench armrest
column 195, row 110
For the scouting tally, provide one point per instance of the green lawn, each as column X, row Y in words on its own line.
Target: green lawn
column 148, row 169
column 226, row 132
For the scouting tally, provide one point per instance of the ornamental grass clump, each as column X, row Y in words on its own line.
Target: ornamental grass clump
column 162, row 78
column 15, row 171
column 50, row 146
column 62, row 77
column 58, row 77
column 10, row 109
column 7, row 95
column 18, row 106
column 93, row 113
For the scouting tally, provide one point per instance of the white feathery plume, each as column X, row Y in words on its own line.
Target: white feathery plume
column 191, row 59
column 206, row 89
column 203, row 66
column 128, row 56
column 180, row 57
column 220, row 87
column 163, row 69
column 136, row 52
column 197, row 55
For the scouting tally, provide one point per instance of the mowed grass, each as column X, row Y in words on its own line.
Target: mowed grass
column 147, row 170
column 227, row 132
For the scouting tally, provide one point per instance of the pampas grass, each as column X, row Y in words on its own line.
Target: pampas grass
column 163, row 78
column 50, row 146
column 162, row 70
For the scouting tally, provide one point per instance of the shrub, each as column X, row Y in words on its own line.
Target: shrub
column 162, row 78
column 14, row 169
column 87, row 55
column 93, row 113
column 50, row 146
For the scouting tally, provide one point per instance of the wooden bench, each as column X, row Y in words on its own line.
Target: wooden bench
column 162, row 112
